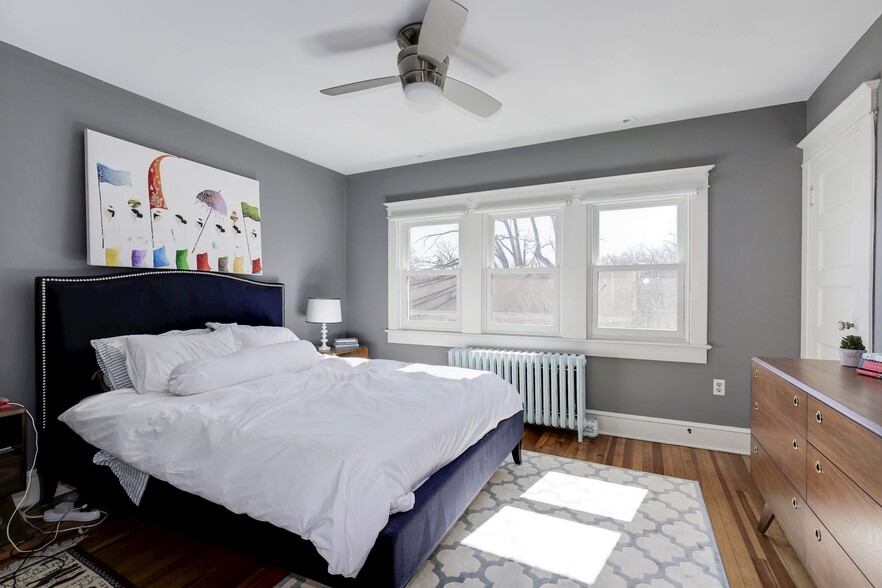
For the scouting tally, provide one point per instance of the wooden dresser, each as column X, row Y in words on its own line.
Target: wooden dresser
column 817, row 460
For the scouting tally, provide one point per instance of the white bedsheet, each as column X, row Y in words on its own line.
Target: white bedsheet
column 326, row 453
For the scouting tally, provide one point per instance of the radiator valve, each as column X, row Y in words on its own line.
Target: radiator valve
column 591, row 429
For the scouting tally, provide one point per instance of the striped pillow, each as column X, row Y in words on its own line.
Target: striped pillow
column 112, row 362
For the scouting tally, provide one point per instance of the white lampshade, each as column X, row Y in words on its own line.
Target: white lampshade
column 324, row 310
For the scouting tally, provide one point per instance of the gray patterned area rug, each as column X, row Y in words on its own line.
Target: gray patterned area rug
column 554, row 521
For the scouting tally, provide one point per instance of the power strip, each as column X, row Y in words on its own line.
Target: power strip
column 64, row 513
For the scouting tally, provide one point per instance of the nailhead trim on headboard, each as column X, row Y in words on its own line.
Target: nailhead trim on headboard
column 151, row 274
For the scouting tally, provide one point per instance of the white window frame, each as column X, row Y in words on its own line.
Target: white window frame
column 491, row 270
column 405, row 273
column 682, row 267
column 576, row 201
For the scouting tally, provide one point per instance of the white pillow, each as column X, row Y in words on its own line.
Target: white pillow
column 247, row 336
column 113, row 363
column 151, row 358
column 207, row 374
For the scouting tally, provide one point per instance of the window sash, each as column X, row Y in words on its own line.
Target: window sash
column 405, row 273
column 682, row 267
column 490, row 270
column 625, row 333
column 491, row 327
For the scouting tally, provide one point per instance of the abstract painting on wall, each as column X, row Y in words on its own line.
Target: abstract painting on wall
column 149, row 209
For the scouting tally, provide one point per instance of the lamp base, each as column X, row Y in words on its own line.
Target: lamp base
column 324, row 346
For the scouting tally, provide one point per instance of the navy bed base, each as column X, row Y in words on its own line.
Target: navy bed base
column 71, row 311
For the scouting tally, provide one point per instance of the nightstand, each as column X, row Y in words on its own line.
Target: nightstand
column 13, row 466
column 360, row 351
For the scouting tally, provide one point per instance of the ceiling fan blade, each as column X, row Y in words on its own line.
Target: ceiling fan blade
column 359, row 86
column 470, row 98
column 441, row 30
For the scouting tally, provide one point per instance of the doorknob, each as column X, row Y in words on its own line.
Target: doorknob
column 842, row 325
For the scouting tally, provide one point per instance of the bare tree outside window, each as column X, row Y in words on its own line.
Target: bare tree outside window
column 519, row 297
column 432, row 281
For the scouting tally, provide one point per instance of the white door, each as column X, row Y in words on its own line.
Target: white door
column 838, row 186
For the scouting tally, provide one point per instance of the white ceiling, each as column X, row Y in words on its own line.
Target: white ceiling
column 562, row 68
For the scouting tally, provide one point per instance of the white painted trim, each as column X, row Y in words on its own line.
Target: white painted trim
column 550, row 195
column 649, row 350
column 573, row 201
column 856, row 114
column 860, row 103
column 702, row 435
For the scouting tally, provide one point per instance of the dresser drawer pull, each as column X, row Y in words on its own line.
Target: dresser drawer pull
column 755, row 373
column 818, row 467
column 795, row 444
column 819, row 417
column 794, row 502
column 796, row 401
column 756, row 406
column 817, row 534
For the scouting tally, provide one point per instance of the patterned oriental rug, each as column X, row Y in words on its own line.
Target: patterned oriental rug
column 61, row 568
column 554, row 521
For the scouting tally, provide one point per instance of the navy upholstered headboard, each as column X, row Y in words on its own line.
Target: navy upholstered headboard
column 71, row 311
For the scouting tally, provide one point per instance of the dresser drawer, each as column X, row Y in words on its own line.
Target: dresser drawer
column 852, row 517
column 784, row 398
column 854, row 449
column 779, row 493
column 786, row 447
column 826, row 561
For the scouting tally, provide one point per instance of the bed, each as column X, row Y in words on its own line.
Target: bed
column 72, row 311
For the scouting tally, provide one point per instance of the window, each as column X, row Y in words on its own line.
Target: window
column 431, row 277
column 522, row 279
column 638, row 270
column 613, row 267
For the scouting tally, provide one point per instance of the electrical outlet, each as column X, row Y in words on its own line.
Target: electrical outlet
column 719, row 387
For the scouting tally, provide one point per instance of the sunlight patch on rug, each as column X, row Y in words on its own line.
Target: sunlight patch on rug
column 552, row 544
column 606, row 499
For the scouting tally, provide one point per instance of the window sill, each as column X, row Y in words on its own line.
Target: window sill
column 652, row 351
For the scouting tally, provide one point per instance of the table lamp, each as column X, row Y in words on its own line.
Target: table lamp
column 324, row 311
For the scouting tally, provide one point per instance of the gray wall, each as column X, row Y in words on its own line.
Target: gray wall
column 862, row 63
column 754, row 279
column 44, row 109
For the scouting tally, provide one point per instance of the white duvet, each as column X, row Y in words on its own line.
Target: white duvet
column 326, row 453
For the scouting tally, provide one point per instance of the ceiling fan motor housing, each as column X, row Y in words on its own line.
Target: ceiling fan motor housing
column 411, row 67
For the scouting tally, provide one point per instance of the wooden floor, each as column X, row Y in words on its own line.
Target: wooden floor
column 150, row 555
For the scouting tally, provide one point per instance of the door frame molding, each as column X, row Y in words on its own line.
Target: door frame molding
column 857, row 113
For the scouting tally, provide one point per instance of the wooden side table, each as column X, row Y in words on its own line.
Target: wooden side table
column 13, row 466
column 360, row 351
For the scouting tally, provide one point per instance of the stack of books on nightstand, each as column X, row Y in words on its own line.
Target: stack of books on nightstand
column 345, row 343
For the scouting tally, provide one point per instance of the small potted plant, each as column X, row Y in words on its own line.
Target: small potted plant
column 851, row 348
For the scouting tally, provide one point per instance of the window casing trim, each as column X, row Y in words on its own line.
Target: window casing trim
column 574, row 200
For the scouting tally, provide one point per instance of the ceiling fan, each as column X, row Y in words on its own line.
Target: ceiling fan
column 423, row 60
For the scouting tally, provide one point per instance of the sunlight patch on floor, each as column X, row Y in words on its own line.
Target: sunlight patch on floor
column 567, row 548
column 588, row 495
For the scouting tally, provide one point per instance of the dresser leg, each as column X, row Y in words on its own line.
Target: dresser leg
column 765, row 519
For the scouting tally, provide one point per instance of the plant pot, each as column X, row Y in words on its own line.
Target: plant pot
column 850, row 357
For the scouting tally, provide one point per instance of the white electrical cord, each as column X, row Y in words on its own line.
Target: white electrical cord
column 24, row 514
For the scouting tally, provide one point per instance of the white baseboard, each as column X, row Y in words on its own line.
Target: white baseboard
column 699, row 435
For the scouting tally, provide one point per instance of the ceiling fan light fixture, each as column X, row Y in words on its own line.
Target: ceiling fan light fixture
column 422, row 92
